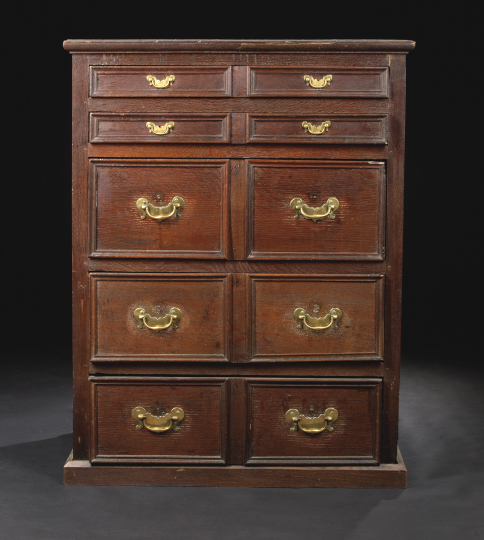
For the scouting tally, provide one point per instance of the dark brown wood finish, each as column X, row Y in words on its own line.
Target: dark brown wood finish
column 117, row 229
column 230, row 96
column 202, row 435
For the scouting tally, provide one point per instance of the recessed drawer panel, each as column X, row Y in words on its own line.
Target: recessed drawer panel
column 159, row 208
column 318, row 82
column 150, row 419
column 160, row 81
column 159, row 128
column 315, row 317
column 316, row 210
column 315, row 129
column 149, row 317
column 314, row 421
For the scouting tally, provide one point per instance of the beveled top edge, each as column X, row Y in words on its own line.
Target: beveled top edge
column 248, row 45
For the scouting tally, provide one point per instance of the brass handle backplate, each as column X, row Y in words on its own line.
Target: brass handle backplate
column 157, row 323
column 158, row 424
column 318, row 84
column 316, row 130
column 164, row 83
column 316, row 214
column 160, row 130
column 311, row 425
column 302, row 317
column 160, row 213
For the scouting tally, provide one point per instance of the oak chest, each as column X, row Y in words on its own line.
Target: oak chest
column 237, row 262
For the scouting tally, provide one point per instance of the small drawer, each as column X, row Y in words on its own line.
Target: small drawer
column 159, row 208
column 158, row 420
column 315, row 317
column 315, row 129
column 159, row 128
column 316, row 210
column 156, row 317
column 160, row 81
column 314, row 421
column 318, row 82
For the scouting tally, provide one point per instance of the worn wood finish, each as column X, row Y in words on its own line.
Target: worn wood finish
column 357, row 232
column 131, row 128
column 117, row 81
column 283, row 81
column 117, row 229
column 356, row 433
column 203, row 332
column 272, row 332
column 386, row 475
column 236, row 102
column 202, row 435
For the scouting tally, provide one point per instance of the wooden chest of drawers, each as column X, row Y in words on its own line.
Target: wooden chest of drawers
column 237, row 262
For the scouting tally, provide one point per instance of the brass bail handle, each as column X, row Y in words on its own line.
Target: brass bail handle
column 302, row 317
column 160, row 130
column 318, row 84
column 157, row 323
column 318, row 213
column 312, row 425
column 158, row 424
column 173, row 208
column 316, row 130
column 163, row 83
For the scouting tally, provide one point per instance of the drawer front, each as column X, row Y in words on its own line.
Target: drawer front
column 316, row 210
column 314, row 129
column 314, row 421
column 160, row 81
column 315, row 317
column 159, row 128
column 171, row 317
column 159, row 208
column 166, row 420
column 318, row 82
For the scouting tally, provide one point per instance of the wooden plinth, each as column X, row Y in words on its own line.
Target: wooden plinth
column 382, row 476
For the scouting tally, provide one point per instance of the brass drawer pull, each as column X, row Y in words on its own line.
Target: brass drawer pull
column 317, row 323
column 164, row 83
column 160, row 213
column 316, row 214
column 318, row 84
column 158, row 424
column 157, row 323
column 160, row 130
column 313, row 425
column 316, row 130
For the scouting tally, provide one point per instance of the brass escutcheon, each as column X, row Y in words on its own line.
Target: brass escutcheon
column 312, row 425
column 160, row 213
column 157, row 323
column 316, row 130
column 163, row 83
column 160, row 130
column 158, row 424
column 315, row 213
column 318, row 84
column 302, row 317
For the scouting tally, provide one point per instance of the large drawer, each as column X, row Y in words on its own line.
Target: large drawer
column 314, row 421
column 153, row 317
column 155, row 419
column 316, row 209
column 160, row 81
column 159, row 208
column 314, row 317
column 321, row 82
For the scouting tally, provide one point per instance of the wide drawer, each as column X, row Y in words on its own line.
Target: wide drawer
column 314, row 421
column 149, row 317
column 160, row 81
column 159, row 208
column 155, row 419
column 318, row 82
column 316, row 129
column 315, row 317
column 316, row 210
column 159, row 128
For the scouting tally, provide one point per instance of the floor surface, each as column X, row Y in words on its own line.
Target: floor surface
column 441, row 439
